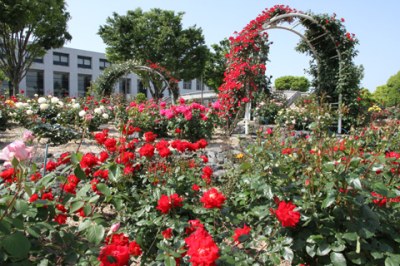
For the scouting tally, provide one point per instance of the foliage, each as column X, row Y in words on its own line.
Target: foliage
column 216, row 64
column 156, row 36
column 332, row 76
column 267, row 107
column 389, row 94
column 309, row 199
column 292, row 83
column 27, row 30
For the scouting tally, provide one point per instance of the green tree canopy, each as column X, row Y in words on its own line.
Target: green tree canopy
column 27, row 29
column 156, row 37
column 389, row 94
column 216, row 64
column 292, row 83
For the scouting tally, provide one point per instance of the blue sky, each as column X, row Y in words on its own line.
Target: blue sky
column 374, row 23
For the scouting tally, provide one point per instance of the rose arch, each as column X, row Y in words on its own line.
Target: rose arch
column 104, row 84
column 325, row 39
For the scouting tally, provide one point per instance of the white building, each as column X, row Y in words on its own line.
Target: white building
column 68, row 72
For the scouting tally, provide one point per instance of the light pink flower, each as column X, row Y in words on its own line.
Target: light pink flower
column 16, row 149
column 28, row 136
column 114, row 228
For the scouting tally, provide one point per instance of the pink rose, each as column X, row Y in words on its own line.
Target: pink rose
column 15, row 149
column 28, row 136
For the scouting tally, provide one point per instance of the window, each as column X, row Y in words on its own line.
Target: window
column 125, row 86
column 187, row 85
column 60, row 59
column 34, row 82
column 199, row 85
column 103, row 63
column 84, row 62
column 38, row 60
column 83, row 84
column 61, row 84
column 141, row 88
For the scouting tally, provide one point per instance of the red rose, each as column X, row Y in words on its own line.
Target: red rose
column 51, row 166
column 134, row 249
column 202, row 249
column 165, row 203
column 204, row 158
column 286, row 214
column 8, row 175
column 167, row 233
column 207, row 173
column 111, row 144
column 147, row 150
column 212, row 199
column 149, row 136
column 33, row 198
column 117, row 239
column 103, row 156
column 114, row 255
column 241, row 231
column 88, row 160
column 60, row 218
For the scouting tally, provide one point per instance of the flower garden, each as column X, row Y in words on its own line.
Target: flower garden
column 148, row 194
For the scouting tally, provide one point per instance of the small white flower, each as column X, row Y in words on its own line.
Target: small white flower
column 36, row 95
column 54, row 100
column 82, row 113
column 29, row 112
column 105, row 116
column 28, row 101
column 97, row 111
column 76, row 106
column 42, row 100
column 60, row 103
column 44, row 106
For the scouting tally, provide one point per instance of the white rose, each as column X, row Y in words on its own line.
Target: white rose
column 19, row 105
column 41, row 100
column 44, row 106
column 97, row 111
column 105, row 116
column 76, row 106
column 54, row 100
column 82, row 113
column 36, row 95
column 29, row 112
column 60, row 103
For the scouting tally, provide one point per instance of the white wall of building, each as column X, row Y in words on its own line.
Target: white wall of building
column 49, row 68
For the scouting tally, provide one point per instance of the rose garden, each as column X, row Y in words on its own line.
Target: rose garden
column 146, row 191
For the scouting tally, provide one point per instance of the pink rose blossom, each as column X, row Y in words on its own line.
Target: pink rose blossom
column 15, row 149
column 28, row 136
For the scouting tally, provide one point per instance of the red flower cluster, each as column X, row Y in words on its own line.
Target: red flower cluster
column 207, row 173
column 240, row 232
column 150, row 136
column 147, row 150
column 167, row 233
column 70, row 185
column 212, row 198
column 182, row 146
column 89, row 160
column 165, row 203
column 118, row 250
column 286, row 214
column 201, row 247
column 8, row 175
column 162, row 148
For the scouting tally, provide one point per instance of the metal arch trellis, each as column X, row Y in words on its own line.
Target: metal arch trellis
column 121, row 69
column 273, row 24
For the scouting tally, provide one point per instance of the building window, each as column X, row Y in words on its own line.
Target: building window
column 60, row 59
column 187, row 85
column 84, row 62
column 141, row 88
column 103, row 63
column 34, row 82
column 38, row 60
column 83, row 84
column 125, row 86
column 61, row 84
column 199, row 85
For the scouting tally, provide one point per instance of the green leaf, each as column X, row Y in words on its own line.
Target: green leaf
column 390, row 261
column 33, row 231
column 76, row 206
column 21, row 206
column 82, row 192
column 79, row 173
column 328, row 201
column 17, row 245
column 338, row 259
column 311, row 251
column 103, row 188
column 84, row 225
column 95, row 234
column 169, row 261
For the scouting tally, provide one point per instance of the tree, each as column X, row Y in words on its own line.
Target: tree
column 156, row 37
column 389, row 94
column 292, row 83
column 27, row 30
column 216, row 64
